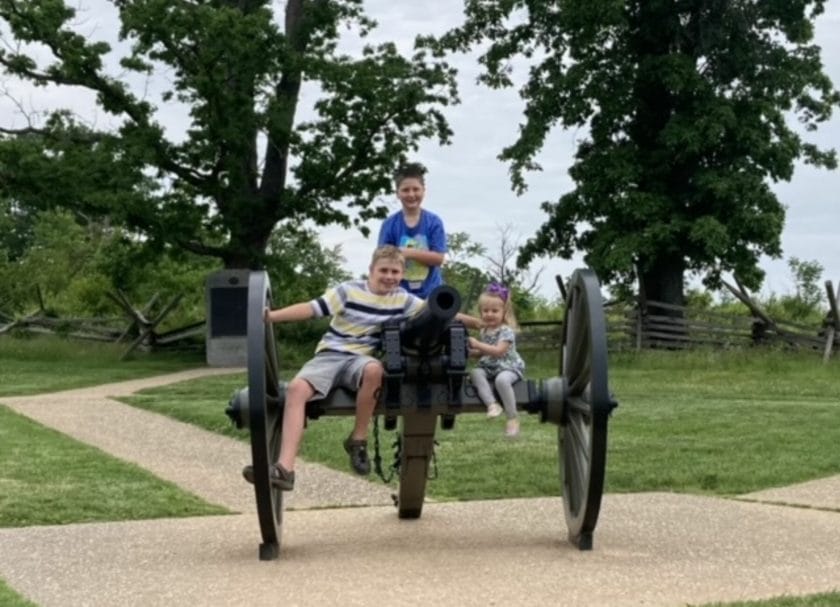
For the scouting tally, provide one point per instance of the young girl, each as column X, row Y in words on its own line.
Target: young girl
column 498, row 360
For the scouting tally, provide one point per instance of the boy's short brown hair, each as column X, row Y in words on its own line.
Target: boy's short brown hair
column 388, row 252
column 410, row 169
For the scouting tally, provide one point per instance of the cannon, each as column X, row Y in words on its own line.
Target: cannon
column 425, row 362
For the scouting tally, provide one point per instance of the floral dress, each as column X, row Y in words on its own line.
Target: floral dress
column 509, row 361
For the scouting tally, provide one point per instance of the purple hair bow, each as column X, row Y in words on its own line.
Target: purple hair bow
column 498, row 290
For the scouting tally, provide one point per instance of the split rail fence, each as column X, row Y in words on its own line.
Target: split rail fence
column 139, row 328
column 654, row 324
column 636, row 325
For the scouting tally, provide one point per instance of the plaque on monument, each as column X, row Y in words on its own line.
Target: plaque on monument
column 227, row 304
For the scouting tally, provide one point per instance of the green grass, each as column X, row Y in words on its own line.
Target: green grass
column 9, row 598
column 50, row 479
column 723, row 424
column 200, row 402
column 47, row 364
column 708, row 423
column 828, row 599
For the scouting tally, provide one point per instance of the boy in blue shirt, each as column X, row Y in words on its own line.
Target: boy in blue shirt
column 418, row 233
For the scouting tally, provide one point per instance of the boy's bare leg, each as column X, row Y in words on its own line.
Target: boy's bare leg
column 366, row 398
column 298, row 392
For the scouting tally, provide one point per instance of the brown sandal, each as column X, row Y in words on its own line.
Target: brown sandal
column 280, row 477
column 357, row 450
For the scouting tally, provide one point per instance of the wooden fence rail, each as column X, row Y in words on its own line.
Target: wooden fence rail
column 141, row 328
column 666, row 326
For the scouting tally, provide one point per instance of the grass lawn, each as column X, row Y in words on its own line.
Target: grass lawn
column 9, row 598
column 719, row 424
column 829, row 599
column 48, row 364
column 722, row 423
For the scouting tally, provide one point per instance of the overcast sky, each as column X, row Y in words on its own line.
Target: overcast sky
column 469, row 187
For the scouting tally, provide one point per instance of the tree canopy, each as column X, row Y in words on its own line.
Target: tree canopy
column 246, row 161
column 687, row 105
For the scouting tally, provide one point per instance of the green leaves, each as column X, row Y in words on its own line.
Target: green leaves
column 244, row 161
column 374, row 110
column 686, row 104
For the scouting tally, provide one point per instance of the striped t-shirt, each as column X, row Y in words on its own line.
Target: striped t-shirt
column 358, row 316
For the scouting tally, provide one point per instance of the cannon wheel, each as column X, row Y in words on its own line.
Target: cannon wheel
column 582, row 433
column 265, row 416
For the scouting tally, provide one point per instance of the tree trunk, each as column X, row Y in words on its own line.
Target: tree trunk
column 662, row 281
column 246, row 250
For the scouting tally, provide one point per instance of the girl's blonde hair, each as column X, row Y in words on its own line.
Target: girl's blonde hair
column 498, row 293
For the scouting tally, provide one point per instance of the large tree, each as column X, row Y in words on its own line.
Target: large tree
column 686, row 103
column 246, row 160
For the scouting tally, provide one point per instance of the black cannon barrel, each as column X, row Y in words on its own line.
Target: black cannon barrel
column 425, row 332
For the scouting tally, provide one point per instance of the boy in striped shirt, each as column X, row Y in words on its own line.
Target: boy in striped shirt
column 344, row 357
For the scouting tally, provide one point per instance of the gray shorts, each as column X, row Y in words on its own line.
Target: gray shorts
column 330, row 370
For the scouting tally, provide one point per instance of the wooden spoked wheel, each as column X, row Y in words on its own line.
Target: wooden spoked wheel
column 582, row 433
column 265, row 416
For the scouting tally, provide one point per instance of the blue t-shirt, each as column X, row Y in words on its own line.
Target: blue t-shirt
column 427, row 235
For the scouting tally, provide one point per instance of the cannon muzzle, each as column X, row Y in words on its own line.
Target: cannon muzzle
column 425, row 333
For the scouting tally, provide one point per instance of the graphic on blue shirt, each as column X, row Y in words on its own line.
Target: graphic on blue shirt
column 414, row 270
column 427, row 235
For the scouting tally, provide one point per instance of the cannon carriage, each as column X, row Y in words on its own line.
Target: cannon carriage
column 426, row 385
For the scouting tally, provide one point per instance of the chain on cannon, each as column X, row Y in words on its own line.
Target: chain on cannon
column 425, row 362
